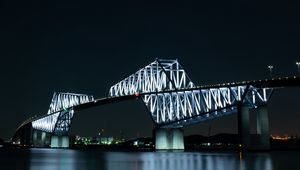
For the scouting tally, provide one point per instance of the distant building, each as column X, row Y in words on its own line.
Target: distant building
column 106, row 140
column 93, row 140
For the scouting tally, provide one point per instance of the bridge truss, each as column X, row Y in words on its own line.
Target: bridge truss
column 60, row 113
column 170, row 96
column 174, row 101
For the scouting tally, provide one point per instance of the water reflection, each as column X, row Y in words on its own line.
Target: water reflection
column 179, row 161
column 75, row 159
column 52, row 159
column 256, row 161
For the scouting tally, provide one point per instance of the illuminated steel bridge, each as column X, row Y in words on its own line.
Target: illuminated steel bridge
column 172, row 100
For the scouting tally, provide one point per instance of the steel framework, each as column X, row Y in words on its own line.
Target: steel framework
column 174, row 101
column 158, row 76
column 61, row 113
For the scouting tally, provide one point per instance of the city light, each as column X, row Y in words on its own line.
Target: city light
column 278, row 137
column 298, row 64
column 270, row 67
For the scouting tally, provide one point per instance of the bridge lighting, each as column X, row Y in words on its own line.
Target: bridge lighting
column 270, row 67
column 298, row 63
column 178, row 102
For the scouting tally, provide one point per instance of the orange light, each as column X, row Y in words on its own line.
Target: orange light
column 277, row 137
column 241, row 155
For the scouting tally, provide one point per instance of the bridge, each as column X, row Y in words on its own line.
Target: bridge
column 172, row 100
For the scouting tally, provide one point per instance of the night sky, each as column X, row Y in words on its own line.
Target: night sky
column 86, row 47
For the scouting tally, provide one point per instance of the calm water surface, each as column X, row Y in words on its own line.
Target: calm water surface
column 37, row 159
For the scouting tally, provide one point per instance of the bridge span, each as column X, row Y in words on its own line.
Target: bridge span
column 172, row 100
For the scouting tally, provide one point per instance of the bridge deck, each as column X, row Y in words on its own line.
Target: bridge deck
column 267, row 83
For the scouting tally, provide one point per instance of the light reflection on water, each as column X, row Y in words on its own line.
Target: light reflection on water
column 179, row 161
column 52, row 159
column 36, row 159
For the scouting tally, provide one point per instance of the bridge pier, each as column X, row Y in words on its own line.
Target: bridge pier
column 169, row 139
column 262, row 140
column 39, row 138
column 59, row 141
column 263, row 128
column 244, row 127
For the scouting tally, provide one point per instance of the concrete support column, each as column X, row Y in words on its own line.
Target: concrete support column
column 54, row 141
column 65, row 141
column 34, row 137
column 177, row 139
column 244, row 127
column 169, row 139
column 161, row 139
column 38, row 138
column 263, row 127
column 43, row 137
column 59, row 141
